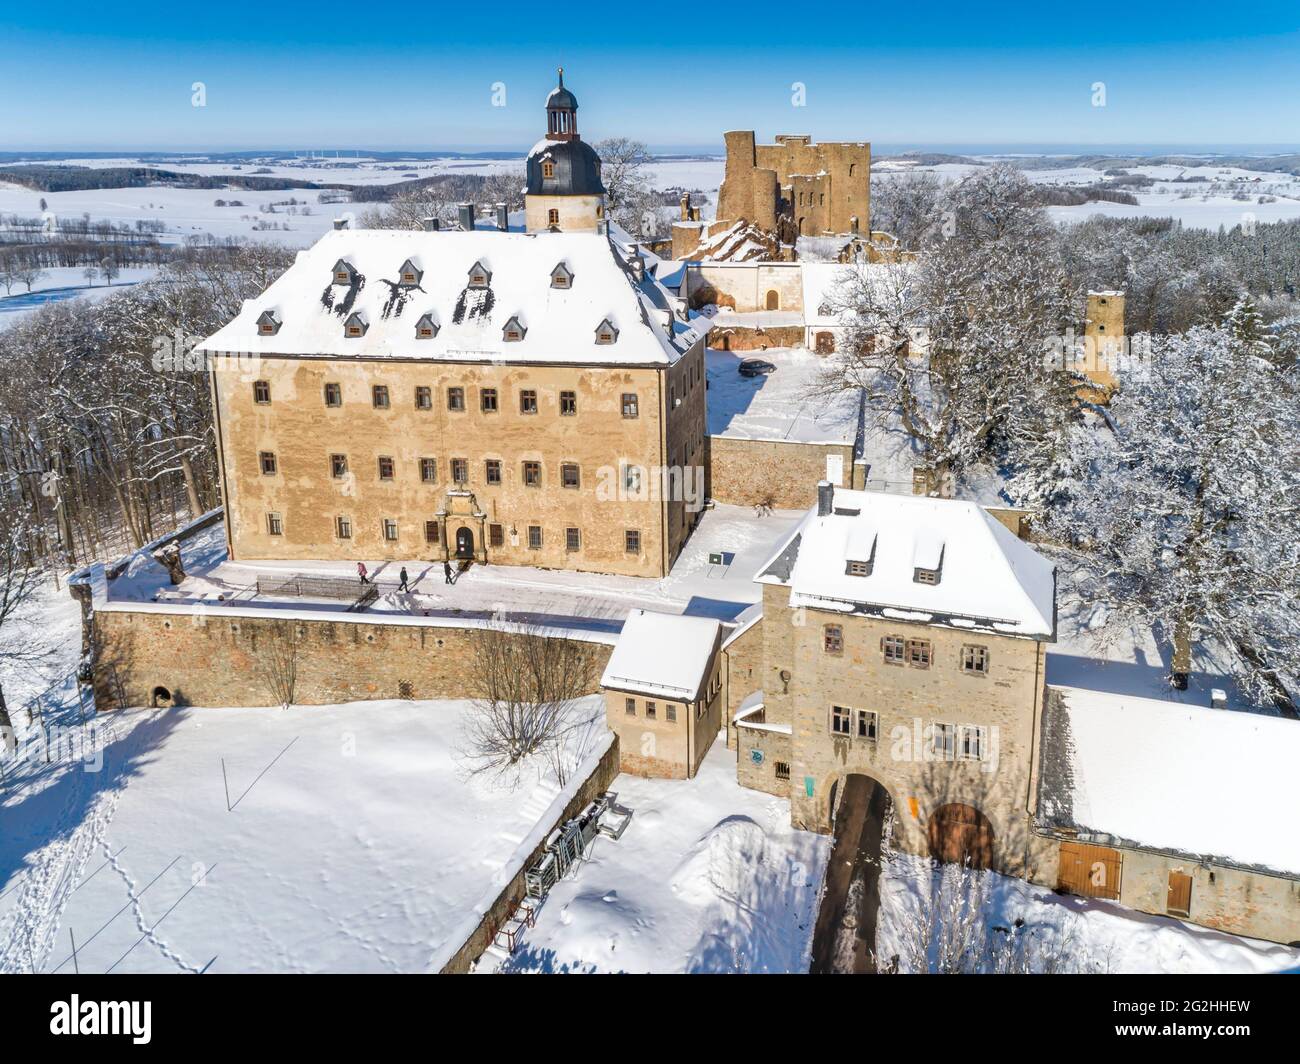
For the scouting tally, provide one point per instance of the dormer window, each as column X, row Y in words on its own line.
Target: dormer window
column 344, row 272
column 925, row 576
column 561, row 277
column 606, row 333
column 268, row 324
column 355, row 326
column 513, row 331
column 856, row 568
column 927, row 561
column 426, row 328
column 548, row 169
column 409, row 275
column 861, row 553
column 479, row 276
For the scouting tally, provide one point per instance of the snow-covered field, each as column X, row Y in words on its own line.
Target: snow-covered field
column 354, row 842
column 66, row 282
column 708, row 877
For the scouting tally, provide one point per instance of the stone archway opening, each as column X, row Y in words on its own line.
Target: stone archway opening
column 960, row 834
column 161, row 698
column 773, row 299
column 465, row 542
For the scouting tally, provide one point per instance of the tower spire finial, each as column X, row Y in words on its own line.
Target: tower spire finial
column 560, row 71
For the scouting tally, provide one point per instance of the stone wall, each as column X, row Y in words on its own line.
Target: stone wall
column 742, row 665
column 744, row 338
column 750, row 472
column 210, row 658
column 746, row 286
column 773, row 748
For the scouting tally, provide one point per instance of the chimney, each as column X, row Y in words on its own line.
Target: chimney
column 686, row 206
column 340, row 223
column 1218, row 698
column 431, row 224
column 638, row 264
column 465, row 215
column 825, row 498
column 503, row 217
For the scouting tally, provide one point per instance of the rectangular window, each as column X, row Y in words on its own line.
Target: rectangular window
column 423, row 397
column 632, row 541
column 651, row 710
column 927, row 576
column 460, row 470
column 343, row 527
column 630, row 405
column 496, row 536
column 532, row 474
column 261, row 392
column 432, row 532
column 528, row 401
column 975, row 659
column 568, row 404
column 487, row 400
column 894, row 648
column 867, row 724
column 629, row 706
column 534, row 537
column 492, row 471
column 267, row 458
column 333, row 394
column 632, row 479
column 918, row 653
column 385, row 468
column 943, row 741
column 972, row 746
column 572, row 540
column 379, row 396
column 841, row 721
column 670, row 712
column 859, row 568
column 833, row 639
column 428, row 470
column 274, row 525
column 569, row 476
column 338, row 466
column 782, row 770
column 390, row 529
column 455, row 398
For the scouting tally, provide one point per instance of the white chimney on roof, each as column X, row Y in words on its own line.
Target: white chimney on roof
column 1218, row 698
column 340, row 223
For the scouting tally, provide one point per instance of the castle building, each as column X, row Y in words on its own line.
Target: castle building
column 564, row 191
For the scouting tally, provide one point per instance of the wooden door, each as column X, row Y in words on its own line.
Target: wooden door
column 1179, row 902
column 1091, row 871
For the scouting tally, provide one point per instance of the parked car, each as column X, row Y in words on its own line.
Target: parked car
column 756, row 367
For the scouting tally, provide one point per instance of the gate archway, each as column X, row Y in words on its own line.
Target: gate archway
column 464, row 542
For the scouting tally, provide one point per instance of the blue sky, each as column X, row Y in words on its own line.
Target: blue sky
column 105, row 76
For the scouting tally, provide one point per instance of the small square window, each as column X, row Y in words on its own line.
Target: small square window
column 385, row 468
column 859, row 569
column 894, row 648
column 630, row 408
column 496, row 536
column 432, row 532
column 338, row 466
column 568, row 404
column 867, row 724
column 267, row 458
column 428, row 470
column 534, row 537
column 532, row 474
column 782, row 770
column 528, row 401
column 455, row 398
column 670, row 712
column 569, row 475
column 548, row 171
column 487, row 400
column 423, row 397
column 274, row 525
column 971, row 745
column 572, row 540
column 926, row 576
column 632, row 541
column 632, row 479
column 552, row 216
column 918, row 653
column 651, row 710
column 390, row 529
column 343, row 527
column 459, row 470
column 379, row 396
column 943, row 741
column 629, row 706
column 261, row 392
column 333, row 394
column 841, row 721
column 492, row 471
column 975, row 659
column 833, row 639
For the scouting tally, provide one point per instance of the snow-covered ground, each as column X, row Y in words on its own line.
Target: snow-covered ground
column 708, row 877
column 1060, row 932
column 354, row 841
column 777, row 406
column 66, row 282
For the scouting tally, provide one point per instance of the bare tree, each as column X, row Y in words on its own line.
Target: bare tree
column 275, row 657
column 19, row 580
column 527, row 683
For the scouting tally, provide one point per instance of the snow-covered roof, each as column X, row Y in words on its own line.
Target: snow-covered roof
column 662, row 654
column 1212, row 783
column 820, row 283
column 988, row 579
column 560, row 323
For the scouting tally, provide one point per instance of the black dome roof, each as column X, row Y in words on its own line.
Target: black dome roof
column 577, row 169
column 561, row 99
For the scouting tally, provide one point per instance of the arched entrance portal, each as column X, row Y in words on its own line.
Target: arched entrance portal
column 773, row 299
column 161, row 698
column 464, row 542
column 961, row 834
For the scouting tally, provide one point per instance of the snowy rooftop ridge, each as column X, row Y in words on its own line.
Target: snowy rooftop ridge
column 987, row 578
column 1161, row 775
column 662, row 654
column 308, row 310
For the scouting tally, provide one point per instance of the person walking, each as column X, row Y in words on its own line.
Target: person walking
column 361, row 572
column 446, row 571
column 401, row 580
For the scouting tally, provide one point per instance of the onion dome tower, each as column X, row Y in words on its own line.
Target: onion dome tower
column 564, row 192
